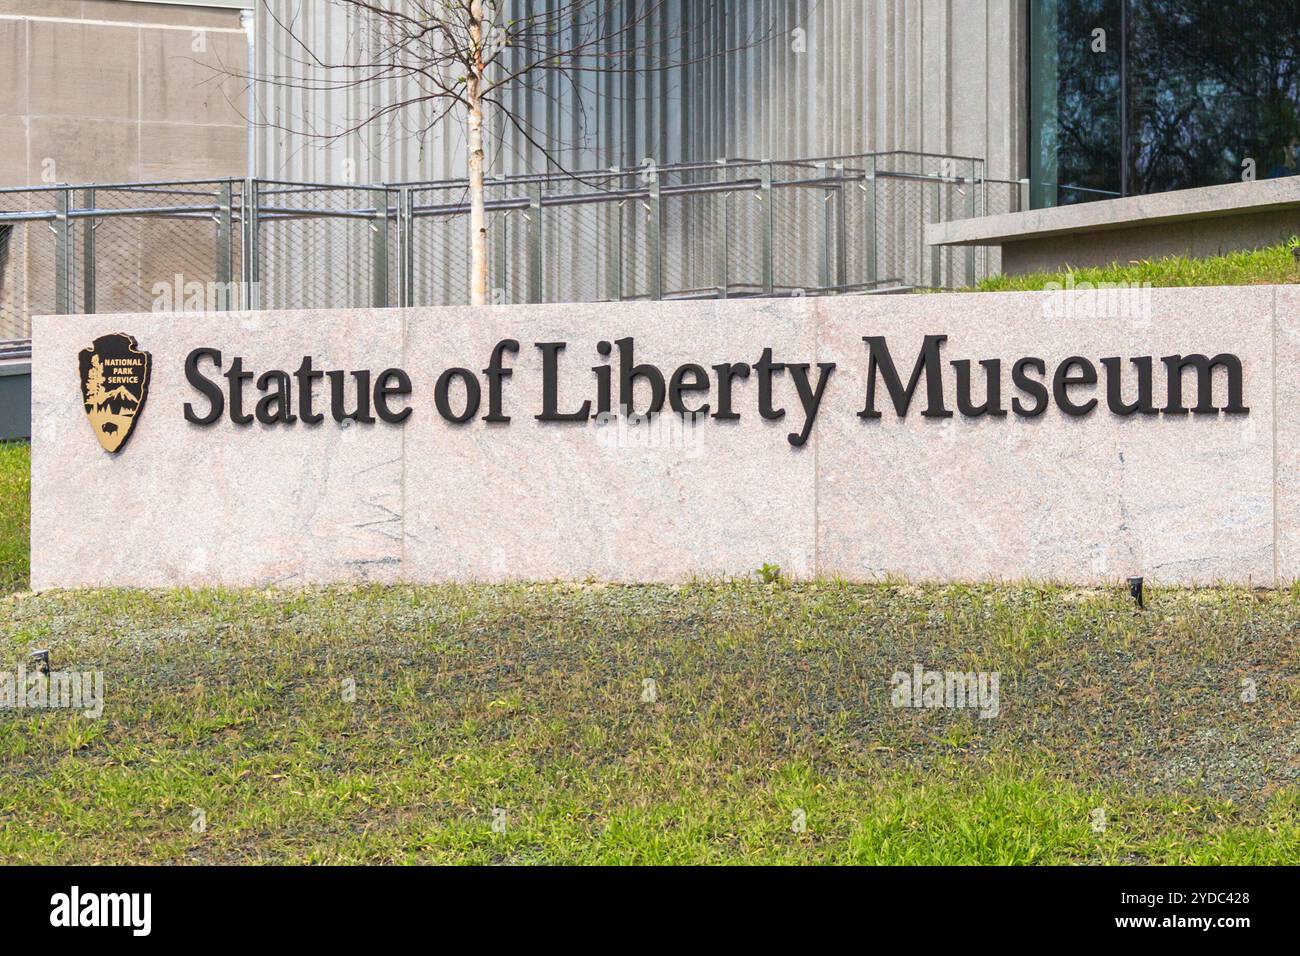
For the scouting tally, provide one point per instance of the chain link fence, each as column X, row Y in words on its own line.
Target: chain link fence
column 840, row 225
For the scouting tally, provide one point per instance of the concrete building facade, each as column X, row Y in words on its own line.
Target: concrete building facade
column 120, row 91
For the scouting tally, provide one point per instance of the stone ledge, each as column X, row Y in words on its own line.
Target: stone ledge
column 1209, row 202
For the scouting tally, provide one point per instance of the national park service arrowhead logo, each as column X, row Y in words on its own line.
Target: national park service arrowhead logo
column 114, row 385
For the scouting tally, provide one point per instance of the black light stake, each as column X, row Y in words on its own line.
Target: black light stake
column 41, row 661
column 1135, row 590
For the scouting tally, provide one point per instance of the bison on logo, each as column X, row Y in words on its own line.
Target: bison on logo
column 114, row 385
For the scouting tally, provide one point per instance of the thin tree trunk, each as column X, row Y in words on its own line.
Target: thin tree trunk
column 478, row 279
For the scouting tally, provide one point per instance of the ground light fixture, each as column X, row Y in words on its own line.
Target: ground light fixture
column 1135, row 590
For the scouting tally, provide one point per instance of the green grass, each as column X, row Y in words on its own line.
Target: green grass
column 15, row 507
column 1274, row 264
column 771, row 699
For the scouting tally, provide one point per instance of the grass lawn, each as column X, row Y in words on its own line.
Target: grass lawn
column 15, row 485
column 1273, row 265
column 398, row 724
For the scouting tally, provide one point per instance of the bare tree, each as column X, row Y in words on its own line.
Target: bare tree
column 456, row 59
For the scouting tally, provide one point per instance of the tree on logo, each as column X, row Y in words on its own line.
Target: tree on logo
column 95, row 383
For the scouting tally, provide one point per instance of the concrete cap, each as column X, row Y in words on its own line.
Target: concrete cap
column 1207, row 202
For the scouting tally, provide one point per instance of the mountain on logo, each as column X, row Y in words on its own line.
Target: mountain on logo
column 114, row 385
column 119, row 401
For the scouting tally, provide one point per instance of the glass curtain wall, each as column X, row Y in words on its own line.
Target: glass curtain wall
column 1139, row 96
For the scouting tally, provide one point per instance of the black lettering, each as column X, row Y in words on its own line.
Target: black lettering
column 401, row 386
column 1114, row 387
column 992, row 384
column 472, row 395
column 281, row 398
column 362, row 413
column 1029, row 386
column 237, row 377
column 628, row 374
column 551, row 387
column 602, row 380
column 810, row 400
column 726, row 373
column 766, row 369
column 1174, row 365
column 678, row 385
column 1063, row 380
column 307, row 378
column 927, row 362
column 496, row 375
column 206, row 387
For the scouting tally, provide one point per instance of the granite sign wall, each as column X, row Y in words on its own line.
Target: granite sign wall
column 927, row 436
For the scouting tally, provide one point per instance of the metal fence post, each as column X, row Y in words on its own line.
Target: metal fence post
column 250, row 294
column 379, row 253
column 88, row 255
column 936, row 215
column 827, row 242
column 500, row 243
column 619, row 211
column 841, row 233
column 871, row 273
column 970, row 214
column 722, row 239
column 225, row 245
column 406, row 248
column 656, row 239
column 765, row 197
column 534, row 250
column 63, row 252
column 623, row 206
column 612, row 213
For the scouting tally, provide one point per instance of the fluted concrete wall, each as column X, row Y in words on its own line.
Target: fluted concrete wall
column 836, row 77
